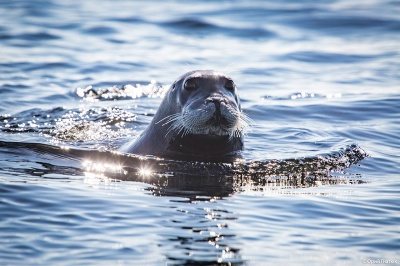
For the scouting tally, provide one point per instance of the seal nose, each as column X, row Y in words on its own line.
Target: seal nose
column 217, row 103
column 215, row 100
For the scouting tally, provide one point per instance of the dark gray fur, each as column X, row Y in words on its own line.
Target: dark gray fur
column 155, row 141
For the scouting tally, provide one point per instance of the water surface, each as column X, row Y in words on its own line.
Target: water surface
column 320, row 80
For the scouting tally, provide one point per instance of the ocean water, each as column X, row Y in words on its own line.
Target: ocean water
column 320, row 182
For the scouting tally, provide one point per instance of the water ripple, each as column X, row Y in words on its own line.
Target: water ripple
column 199, row 27
column 319, row 79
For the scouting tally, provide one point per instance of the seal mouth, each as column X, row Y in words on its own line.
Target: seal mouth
column 218, row 119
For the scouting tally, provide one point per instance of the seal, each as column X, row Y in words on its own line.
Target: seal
column 199, row 119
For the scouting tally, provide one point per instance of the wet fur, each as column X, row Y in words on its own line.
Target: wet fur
column 185, row 126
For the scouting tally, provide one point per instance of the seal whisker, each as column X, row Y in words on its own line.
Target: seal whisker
column 169, row 118
column 188, row 124
column 228, row 68
column 176, row 124
column 172, row 120
column 188, row 65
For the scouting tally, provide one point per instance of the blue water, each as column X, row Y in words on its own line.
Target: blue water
column 319, row 79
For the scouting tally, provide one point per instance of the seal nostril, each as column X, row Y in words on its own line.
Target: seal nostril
column 216, row 102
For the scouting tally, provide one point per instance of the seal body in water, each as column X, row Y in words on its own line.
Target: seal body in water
column 200, row 118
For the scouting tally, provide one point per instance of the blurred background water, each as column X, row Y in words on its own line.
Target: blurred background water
column 314, row 76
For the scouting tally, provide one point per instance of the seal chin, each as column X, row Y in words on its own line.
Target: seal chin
column 209, row 147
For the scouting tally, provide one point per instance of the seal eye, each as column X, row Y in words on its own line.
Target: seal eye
column 190, row 85
column 229, row 85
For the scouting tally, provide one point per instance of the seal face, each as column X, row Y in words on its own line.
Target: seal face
column 200, row 118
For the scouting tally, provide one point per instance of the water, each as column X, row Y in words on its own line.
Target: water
column 320, row 80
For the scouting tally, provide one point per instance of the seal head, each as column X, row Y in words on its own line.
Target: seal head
column 200, row 118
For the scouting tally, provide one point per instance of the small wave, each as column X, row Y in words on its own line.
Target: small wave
column 152, row 90
column 300, row 95
column 92, row 124
column 346, row 23
column 196, row 26
column 127, row 19
column 328, row 58
column 314, row 106
column 84, row 124
column 181, row 176
column 100, row 68
column 190, row 23
column 33, row 36
column 50, row 65
column 100, row 30
column 33, row 120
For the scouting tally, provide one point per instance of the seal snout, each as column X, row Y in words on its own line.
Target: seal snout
column 217, row 104
column 215, row 100
column 219, row 116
